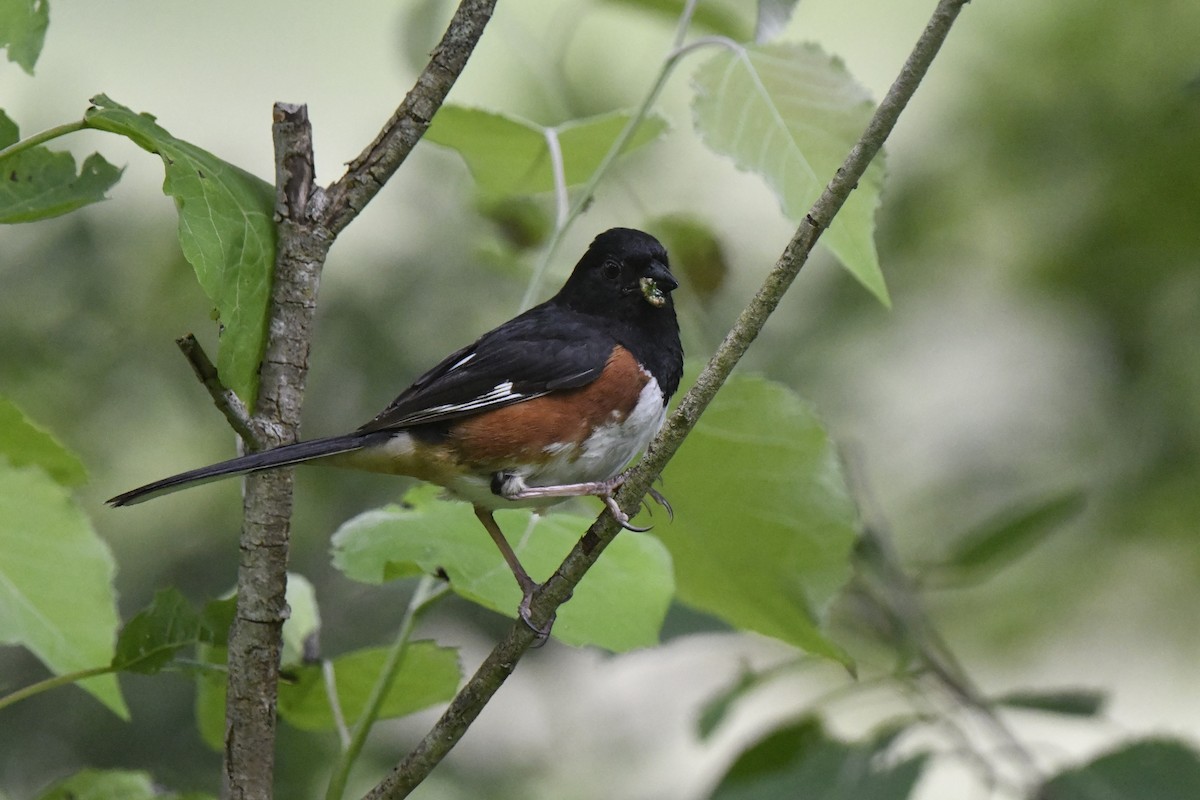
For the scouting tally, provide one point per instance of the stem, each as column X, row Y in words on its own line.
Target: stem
column 469, row 702
column 429, row 590
column 52, row 683
column 41, row 138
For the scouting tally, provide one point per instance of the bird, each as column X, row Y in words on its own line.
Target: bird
column 552, row 404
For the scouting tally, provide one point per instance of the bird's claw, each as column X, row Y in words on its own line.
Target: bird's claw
column 621, row 517
column 541, row 632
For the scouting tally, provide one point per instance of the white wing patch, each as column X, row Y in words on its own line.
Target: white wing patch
column 461, row 362
column 501, row 394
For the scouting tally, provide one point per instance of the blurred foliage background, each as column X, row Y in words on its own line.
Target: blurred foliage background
column 1040, row 234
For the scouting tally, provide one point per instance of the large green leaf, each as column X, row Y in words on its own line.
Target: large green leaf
column 764, row 522
column 801, row 760
column 509, row 156
column 1160, row 769
column 23, row 26
column 226, row 232
column 619, row 605
column 40, row 183
column 428, row 674
column 56, row 593
column 791, row 113
column 24, row 442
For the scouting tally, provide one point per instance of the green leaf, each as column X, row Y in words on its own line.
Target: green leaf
column 696, row 253
column 619, row 605
column 724, row 19
column 210, row 695
column 1069, row 702
column 791, row 114
column 226, row 231
column 23, row 442
column 39, row 183
column 800, row 760
column 303, row 622
column 1161, row 769
column 156, row 633
column 715, row 711
column 509, row 156
column 94, row 784
column 428, row 675
column 56, row 593
column 764, row 523
column 986, row 549
column 23, row 26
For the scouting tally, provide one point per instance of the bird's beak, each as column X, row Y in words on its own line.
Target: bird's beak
column 656, row 283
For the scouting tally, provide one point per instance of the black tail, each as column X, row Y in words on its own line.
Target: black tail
column 266, row 459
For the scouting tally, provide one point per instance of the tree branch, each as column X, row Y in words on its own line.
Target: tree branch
column 226, row 400
column 492, row 673
column 307, row 222
column 254, row 639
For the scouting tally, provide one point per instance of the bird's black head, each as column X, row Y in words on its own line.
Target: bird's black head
column 624, row 273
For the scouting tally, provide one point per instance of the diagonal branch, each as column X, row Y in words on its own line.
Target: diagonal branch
column 492, row 673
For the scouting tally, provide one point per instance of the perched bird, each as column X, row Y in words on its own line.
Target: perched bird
column 552, row 404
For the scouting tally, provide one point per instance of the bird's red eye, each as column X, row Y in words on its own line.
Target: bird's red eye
column 610, row 270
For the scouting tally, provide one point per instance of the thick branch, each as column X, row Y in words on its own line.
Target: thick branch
column 500, row 663
column 377, row 163
column 307, row 222
column 254, row 639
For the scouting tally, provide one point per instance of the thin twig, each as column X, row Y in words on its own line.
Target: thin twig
column 467, row 705
column 226, row 400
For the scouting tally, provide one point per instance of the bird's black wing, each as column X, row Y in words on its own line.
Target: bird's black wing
column 545, row 349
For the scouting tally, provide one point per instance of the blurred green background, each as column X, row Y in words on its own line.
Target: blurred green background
column 1040, row 233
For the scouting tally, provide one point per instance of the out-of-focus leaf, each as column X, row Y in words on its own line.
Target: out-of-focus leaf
column 764, row 522
column 95, row 784
column 303, row 622
column 717, row 709
column 773, row 16
column 791, row 113
column 619, row 605
column 985, row 550
column 1069, row 702
column 226, row 231
column 155, row 634
column 799, row 759
column 23, row 442
column 39, row 183
column 1158, row 769
column 23, row 25
column 695, row 252
column 726, row 19
column 509, row 156
column 56, row 593
column 428, row 674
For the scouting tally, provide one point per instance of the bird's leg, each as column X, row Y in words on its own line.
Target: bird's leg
column 528, row 585
column 512, row 487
